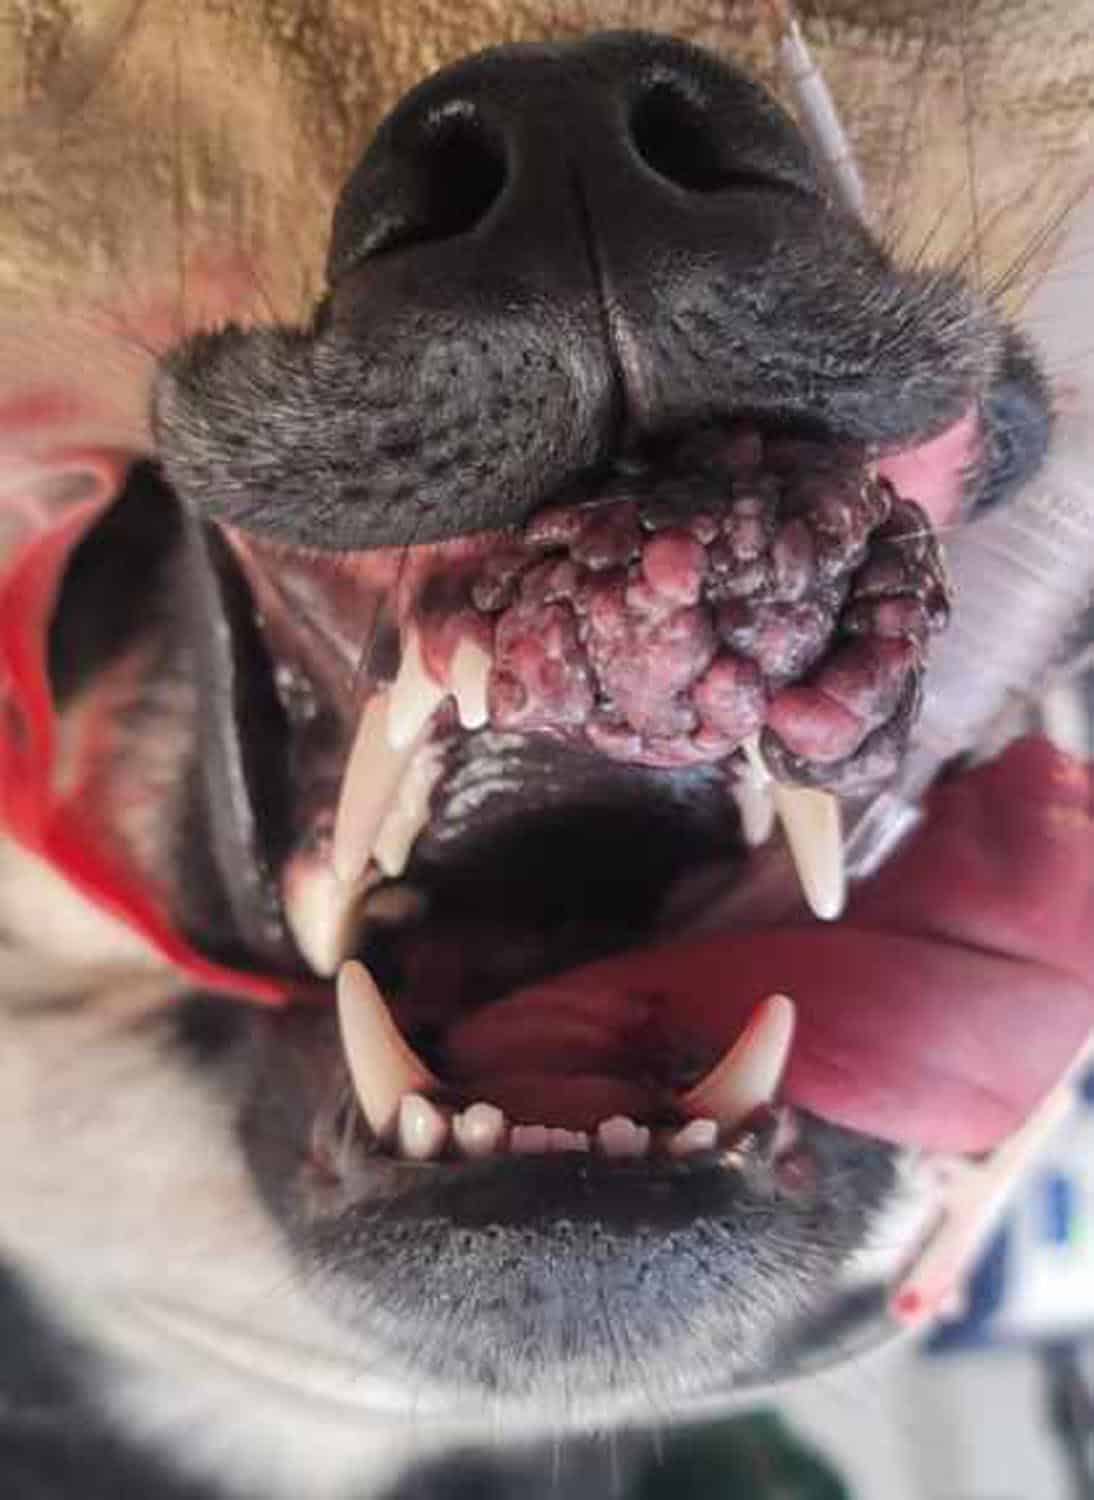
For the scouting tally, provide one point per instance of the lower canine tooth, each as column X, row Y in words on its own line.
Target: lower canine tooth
column 422, row 1129
column 748, row 1076
column 811, row 822
column 479, row 1130
column 621, row 1137
column 382, row 1066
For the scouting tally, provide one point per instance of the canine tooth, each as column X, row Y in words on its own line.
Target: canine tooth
column 414, row 695
column 467, row 678
column 382, row 1066
column 408, row 812
column 422, row 1128
column 696, row 1135
column 324, row 915
column 529, row 1140
column 479, row 1130
column 757, row 809
column 748, row 1075
column 619, row 1136
column 392, row 729
column 811, row 822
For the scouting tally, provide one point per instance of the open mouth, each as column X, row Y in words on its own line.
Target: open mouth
column 506, row 758
column 560, row 808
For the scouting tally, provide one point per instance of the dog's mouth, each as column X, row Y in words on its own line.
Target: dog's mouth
column 571, row 799
column 560, row 809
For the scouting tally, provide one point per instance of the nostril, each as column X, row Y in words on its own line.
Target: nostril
column 459, row 171
column 673, row 135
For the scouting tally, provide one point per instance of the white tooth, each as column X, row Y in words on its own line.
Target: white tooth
column 422, row 1130
column 697, row 1135
column 382, row 1066
column 414, row 696
column 529, row 1140
column 409, row 811
column 393, row 727
column 748, row 1076
column 324, row 914
column 811, row 822
column 467, row 677
column 620, row 1136
column 479, row 1130
column 568, row 1140
column 757, row 809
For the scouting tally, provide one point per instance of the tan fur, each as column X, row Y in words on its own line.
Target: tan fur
column 149, row 138
column 183, row 156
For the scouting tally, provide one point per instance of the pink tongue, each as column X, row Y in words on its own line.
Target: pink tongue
column 948, row 1000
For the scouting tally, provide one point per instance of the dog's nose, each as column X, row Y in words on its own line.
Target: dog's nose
column 526, row 232
column 505, row 149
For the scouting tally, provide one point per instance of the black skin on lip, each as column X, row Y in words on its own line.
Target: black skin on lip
column 638, row 245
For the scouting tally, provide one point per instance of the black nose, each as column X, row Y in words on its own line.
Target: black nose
column 513, row 145
column 518, row 240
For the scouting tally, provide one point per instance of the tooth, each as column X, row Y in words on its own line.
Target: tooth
column 567, row 1140
column 324, row 914
column 748, row 1075
column 422, row 1129
column 811, row 822
column 621, row 1137
column 479, row 1130
column 697, row 1135
column 757, row 809
column 467, row 678
column 392, row 729
column 382, row 1066
column 414, row 696
column 529, row 1140
column 408, row 812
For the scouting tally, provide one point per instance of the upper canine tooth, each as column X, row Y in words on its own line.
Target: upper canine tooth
column 409, row 811
column 811, row 822
column 381, row 1064
column 324, row 913
column 413, row 697
column 748, row 1076
column 467, row 677
column 392, row 729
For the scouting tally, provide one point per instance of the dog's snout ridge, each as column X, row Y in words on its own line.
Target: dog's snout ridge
column 551, row 258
